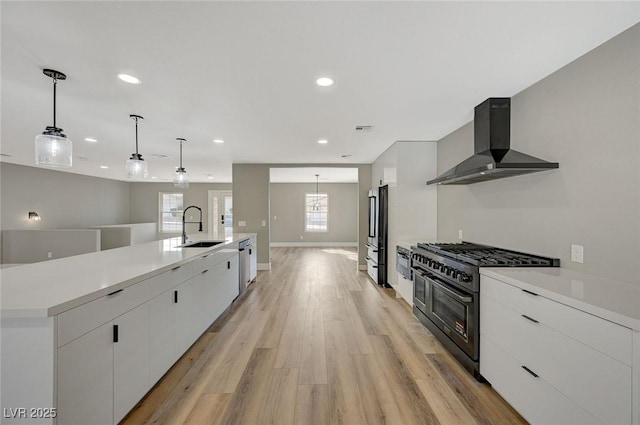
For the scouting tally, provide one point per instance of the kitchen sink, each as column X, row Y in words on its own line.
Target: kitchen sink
column 201, row 244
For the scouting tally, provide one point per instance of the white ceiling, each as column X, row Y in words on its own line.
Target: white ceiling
column 245, row 72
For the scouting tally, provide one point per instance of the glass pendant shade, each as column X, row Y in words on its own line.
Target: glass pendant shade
column 136, row 167
column 53, row 150
column 181, row 179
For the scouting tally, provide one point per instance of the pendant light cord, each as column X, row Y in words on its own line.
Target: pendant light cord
column 180, row 154
column 55, row 83
column 136, row 118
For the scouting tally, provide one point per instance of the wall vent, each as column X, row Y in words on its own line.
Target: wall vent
column 364, row 128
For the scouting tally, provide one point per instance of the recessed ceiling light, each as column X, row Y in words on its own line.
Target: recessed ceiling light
column 323, row 141
column 129, row 79
column 324, row 81
column 210, row 177
column 90, row 139
column 104, row 167
column 153, row 177
column 219, row 141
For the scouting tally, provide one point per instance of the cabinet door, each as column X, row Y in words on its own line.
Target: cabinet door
column 85, row 379
column 253, row 259
column 130, row 360
column 162, row 334
column 232, row 279
column 186, row 315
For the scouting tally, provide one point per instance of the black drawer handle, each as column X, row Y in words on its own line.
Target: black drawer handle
column 249, row 251
column 229, row 265
column 529, row 318
column 529, row 292
column 205, row 271
column 175, row 268
column 532, row 373
column 115, row 333
column 175, row 297
column 375, row 267
column 115, row 292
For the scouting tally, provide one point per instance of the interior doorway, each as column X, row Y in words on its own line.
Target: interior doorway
column 220, row 213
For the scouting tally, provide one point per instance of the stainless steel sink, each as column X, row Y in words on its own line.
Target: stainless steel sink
column 202, row 244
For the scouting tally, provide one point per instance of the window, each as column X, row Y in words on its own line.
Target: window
column 170, row 212
column 316, row 207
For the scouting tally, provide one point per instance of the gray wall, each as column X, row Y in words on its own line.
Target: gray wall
column 287, row 213
column 586, row 116
column 63, row 200
column 251, row 202
column 144, row 201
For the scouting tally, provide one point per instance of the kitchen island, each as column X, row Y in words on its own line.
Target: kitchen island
column 85, row 337
column 562, row 346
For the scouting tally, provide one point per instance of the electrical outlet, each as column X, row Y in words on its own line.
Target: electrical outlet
column 460, row 234
column 577, row 254
column 301, row 237
column 264, row 223
column 49, row 254
column 275, row 218
column 242, row 224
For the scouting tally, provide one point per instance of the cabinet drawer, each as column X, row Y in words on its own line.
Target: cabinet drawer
column 82, row 319
column 372, row 270
column 536, row 400
column 373, row 254
column 602, row 335
column 167, row 280
column 593, row 380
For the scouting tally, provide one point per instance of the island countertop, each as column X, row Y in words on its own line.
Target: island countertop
column 50, row 287
column 610, row 299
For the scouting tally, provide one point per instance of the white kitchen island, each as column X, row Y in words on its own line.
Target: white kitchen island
column 561, row 346
column 85, row 337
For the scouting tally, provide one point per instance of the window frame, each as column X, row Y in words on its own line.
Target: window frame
column 161, row 228
column 306, row 229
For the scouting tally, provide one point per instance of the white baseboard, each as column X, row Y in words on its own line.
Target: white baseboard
column 362, row 267
column 264, row 266
column 310, row 244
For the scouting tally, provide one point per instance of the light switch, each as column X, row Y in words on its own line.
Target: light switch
column 577, row 253
column 242, row 223
column 264, row 223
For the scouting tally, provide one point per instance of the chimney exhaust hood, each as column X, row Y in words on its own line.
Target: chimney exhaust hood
column 493, row 158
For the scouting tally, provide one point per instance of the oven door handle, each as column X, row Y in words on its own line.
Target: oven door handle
column 459, row 297
column 419, row 273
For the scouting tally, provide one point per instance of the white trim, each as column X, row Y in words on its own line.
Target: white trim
column 303, row 244
column 264, row 266
column 362, row 267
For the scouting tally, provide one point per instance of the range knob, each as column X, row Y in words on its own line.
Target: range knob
column 446, row 270
column 466, row 278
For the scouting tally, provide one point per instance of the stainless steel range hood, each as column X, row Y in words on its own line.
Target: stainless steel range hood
column 493, row 158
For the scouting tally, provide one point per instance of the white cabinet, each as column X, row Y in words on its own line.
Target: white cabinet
column 186, row 315
column 85, row 379
column 552, row 362
column 162, row 334
column 130, row 360
column 404, row 288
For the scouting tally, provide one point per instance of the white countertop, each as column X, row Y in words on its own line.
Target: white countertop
column 50, row 287
column 609, row 299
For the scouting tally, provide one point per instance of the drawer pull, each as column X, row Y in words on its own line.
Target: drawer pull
column 529, row 318
column 115, row 292
column 529, row 292
column 115, row 333
column 175, row 297
column 175, row 268
column 229, row 265
column 532, row 373
column 205, row 271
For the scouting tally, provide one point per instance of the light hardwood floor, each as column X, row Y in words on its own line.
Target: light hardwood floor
column 315, row 342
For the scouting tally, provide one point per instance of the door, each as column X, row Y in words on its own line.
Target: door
column 130, row 360
column 85, row 378
column 162, row 334
column 220, row 213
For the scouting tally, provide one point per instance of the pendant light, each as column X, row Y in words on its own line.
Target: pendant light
column 136, row 167
column 53, row 149
column 181, row 174
column 316, row 206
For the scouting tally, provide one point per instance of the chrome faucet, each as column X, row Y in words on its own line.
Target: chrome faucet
column 184, row 213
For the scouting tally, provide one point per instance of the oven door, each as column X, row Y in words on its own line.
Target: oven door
column 402, row 265
column 420, row 290
column 455, row 312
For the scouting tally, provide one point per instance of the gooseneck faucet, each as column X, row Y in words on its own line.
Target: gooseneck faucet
column 184, row 214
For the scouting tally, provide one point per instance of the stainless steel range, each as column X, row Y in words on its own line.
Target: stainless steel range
column 446, row 287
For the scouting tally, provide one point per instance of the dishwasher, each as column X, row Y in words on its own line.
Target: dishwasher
column 244, row 248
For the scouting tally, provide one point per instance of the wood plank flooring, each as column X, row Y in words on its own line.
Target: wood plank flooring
column 315, row 342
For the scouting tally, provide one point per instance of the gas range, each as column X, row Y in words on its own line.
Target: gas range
column 446, row 280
